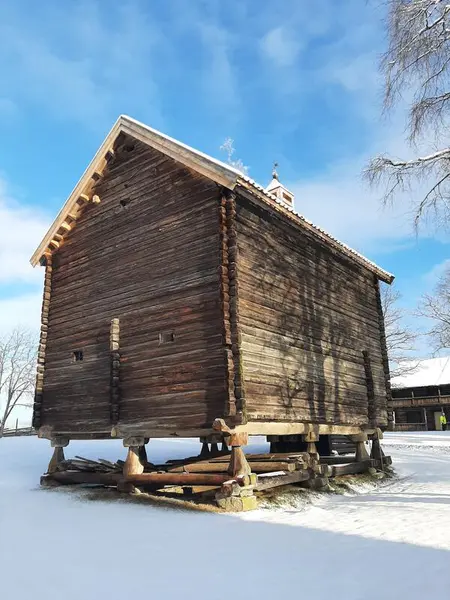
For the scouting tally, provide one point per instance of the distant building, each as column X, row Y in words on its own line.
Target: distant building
column 419, row 398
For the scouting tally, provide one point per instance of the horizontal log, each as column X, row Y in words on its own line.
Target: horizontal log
column 256, row 222
column 351, row 468
column 267, row 483
column 182, row 479
column 71, row 477
column 222, row 467
column 337, row 460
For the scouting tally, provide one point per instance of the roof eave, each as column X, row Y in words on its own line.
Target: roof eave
column 214, row 170
column 211, row 168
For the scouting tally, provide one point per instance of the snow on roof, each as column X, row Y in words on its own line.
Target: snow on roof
column 216, row 170
column 432, row 371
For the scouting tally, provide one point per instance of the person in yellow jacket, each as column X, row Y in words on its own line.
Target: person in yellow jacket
column 443, row 421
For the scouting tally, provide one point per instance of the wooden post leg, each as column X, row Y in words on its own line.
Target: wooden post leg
column 361, row 451
column 214, row 449
column 205, row 453
column 311, row 438
column 133, row 464
column 58, row 444
column 238, row 463
column 232, row 496
column 143, row 455
column 376, row 452
column 56, row 459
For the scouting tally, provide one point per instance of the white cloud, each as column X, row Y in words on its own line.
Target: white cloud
column 21, row 229
column 86, row 72
column 340, row 202
column 219, row 74
column 23, row 311
column 281, row 46
column 431, row 278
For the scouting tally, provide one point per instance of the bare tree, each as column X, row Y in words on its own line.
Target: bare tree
column 417, row 63
column 400, row 338
column 17, row 371
column 228, row 147
column 436, row 307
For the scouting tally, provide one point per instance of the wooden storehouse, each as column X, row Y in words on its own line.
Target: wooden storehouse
column 181, row 298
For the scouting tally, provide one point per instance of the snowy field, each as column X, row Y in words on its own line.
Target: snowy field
column 387, row 543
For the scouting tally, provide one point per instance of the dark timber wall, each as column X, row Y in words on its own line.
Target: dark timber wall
column 148, row 254
column 221, row 308
column 310, row 329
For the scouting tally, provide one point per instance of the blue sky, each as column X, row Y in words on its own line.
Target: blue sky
column 293, row 81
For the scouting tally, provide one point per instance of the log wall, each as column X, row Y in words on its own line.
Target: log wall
column 310, row 330
column 148, row 255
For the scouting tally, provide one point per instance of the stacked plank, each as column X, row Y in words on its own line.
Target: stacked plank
column 86, row 465
column 259, row 463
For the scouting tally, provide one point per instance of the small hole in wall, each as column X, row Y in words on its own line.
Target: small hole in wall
column 129, row 148
column 77, row 355
column 124, row 202
column 165, row 337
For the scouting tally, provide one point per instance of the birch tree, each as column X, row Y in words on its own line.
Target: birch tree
column 17, row 372
column 416, row 65
column 436, row 308
column 400, row 338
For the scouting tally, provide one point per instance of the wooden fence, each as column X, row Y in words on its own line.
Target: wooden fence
column 410, row 427
column 18, row 431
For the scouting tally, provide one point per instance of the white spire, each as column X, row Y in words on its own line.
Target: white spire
column 279, row 190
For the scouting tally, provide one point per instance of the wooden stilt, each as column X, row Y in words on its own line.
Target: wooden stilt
column 205, row 453
column 133, row 465
column 143, row 455
column 311, row 438
column 361, row 453
column 58, row 443
column 238, row 463
column 377, row 453
column 214, row 449
column 56, row 459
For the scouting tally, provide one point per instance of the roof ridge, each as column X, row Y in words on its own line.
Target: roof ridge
column 223, row 173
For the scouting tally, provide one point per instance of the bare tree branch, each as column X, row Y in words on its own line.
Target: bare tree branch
column 400, row 339
column 436, row 308
column 418, row 61
column 17, row 369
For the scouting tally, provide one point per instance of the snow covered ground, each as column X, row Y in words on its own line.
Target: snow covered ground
column 386, row 543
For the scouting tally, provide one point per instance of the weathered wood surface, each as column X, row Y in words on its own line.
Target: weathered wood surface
column 181, row 479
column 306, row 315
column 352, row 467
column 220, row 467
column 147, row 254
column 40, row 369
column 74, row 477
column 225, row 310
column 269, row 482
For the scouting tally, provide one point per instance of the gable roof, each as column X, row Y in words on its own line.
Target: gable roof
column 431, row 371
column 208, row 166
